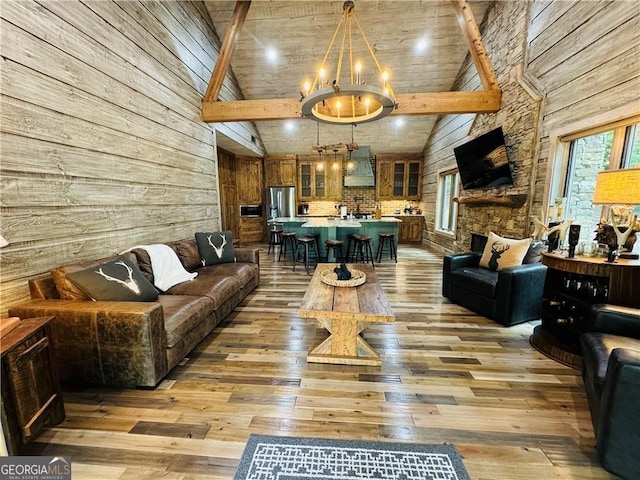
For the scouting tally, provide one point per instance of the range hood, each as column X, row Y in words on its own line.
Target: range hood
column 362, row 174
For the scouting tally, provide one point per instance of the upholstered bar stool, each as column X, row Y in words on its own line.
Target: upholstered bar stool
column 362, row 249
column 336, row 247
column 387, row 240
column 306, row 245
column 288, row 240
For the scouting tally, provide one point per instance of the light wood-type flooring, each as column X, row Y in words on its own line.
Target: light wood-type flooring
column 447, row 376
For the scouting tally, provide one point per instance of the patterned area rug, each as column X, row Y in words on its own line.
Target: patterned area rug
column 283, row 458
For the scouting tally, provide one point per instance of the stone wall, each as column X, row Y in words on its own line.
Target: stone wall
column 579, row 60
column 504, row 36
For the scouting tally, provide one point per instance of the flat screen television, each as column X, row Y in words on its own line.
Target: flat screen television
column 482, row 162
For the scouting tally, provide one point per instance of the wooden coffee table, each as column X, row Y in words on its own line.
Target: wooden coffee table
column 345, row 312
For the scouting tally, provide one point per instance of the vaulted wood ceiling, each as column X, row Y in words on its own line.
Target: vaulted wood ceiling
column 300, row 31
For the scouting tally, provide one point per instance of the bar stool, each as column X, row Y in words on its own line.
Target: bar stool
column 305, row 246
column 362, row 249
column 288, row 240
column 336, row 246
column 274, row 239
column 350, row 241
column 387, row 240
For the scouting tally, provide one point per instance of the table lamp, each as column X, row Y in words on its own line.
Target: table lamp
column 619, row 187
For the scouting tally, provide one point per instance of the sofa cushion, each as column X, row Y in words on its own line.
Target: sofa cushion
column 182, row 313
column 534, row 252
column 144, row 263
column 477, row 279
column 215, row 247
column 119, row 280
column 500, row 252
column 187, row 251
column 215, row 283
column 67, row 290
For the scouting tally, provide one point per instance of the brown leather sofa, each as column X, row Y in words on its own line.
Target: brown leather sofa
column 138, row 343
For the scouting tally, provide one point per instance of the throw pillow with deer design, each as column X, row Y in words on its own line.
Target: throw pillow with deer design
column 118, row 280
column 215, row 247
column 500, row 252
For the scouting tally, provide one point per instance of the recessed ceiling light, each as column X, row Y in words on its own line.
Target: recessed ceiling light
column 421, row 45
column 272, row 55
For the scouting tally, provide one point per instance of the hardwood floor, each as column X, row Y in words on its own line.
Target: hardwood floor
column 447, row 376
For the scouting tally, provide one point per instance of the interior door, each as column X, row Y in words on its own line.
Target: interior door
column 229, row 208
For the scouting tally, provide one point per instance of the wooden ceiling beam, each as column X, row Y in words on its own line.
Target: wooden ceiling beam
column 226, row 51
column 434, row 103
column 472, row 34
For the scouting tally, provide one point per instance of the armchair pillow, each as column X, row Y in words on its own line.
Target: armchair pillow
column 215, row 247
column 118, row 280
column 500, row 252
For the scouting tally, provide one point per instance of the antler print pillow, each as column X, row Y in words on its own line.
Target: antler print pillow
column 119, row 280
column 215, row 247
column 500, row 252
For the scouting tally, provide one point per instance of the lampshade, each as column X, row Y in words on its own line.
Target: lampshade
column 619, row 187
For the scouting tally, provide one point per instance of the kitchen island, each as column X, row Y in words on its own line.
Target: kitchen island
column 337, row 229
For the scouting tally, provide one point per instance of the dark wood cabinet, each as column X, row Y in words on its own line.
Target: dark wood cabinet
column 398, row 179
column 249, row 180
column 320, row 179
column 410, row 230
column 252, row 229
column 571, row 287
column 31, row 395
column 280, row 170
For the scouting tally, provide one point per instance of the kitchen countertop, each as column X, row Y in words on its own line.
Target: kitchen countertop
column 324, row 221
column 316, row 222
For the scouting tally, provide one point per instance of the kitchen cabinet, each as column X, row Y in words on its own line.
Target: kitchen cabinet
column 572, row 286
column 410, row 230
column 31, row 395
column 280, row 170
column 398, row 179
column 252, row 229
column 320, row 179
column 240, row 183
column 249, row 180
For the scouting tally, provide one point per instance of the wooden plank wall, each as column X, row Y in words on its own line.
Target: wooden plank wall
column 582, row 57
column 103, row 146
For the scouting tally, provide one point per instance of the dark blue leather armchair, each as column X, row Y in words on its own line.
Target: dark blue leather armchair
column 512, row 295
column 611, row 374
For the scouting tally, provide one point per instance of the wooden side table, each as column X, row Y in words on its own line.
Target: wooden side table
column 572, row 286
column 31, row 395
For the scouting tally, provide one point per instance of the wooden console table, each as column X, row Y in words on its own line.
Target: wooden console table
column 345, row 312
column 572, row 286
column 31, row 395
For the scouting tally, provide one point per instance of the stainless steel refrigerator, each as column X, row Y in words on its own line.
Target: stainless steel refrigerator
column 282, row 201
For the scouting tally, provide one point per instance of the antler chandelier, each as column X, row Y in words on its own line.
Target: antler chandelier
column 354, row 101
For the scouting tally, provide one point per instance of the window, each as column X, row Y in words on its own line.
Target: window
column 608, row 147
column 446, row 208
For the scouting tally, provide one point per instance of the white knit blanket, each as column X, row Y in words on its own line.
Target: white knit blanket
column 167, row 269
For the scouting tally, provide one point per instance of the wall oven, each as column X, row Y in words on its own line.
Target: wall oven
column 250, row 211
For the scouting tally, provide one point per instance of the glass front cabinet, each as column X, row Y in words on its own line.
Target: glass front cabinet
column 398, row 179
